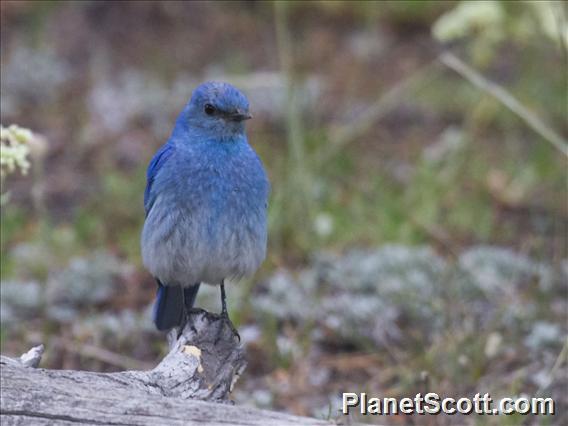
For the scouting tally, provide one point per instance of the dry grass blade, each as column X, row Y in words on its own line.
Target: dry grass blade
column 507, row 99
column 339, row 136
column 101, row 354
column 561, row 359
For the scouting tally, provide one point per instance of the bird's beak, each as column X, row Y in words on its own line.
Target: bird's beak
column 239, row 116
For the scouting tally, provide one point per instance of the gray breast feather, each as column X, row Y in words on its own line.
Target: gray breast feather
column 184, row 244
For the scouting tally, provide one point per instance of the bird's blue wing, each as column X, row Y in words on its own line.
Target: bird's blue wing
column 154, row 167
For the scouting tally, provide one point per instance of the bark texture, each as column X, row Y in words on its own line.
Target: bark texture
column 191, row 385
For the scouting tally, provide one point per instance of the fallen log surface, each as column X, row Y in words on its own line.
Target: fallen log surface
column 190, row 386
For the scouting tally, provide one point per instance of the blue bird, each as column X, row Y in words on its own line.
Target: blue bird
column 206, row 204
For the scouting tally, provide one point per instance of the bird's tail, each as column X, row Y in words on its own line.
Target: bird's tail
column 171, row 303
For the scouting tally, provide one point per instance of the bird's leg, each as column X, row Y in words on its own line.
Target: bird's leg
column 225, row 313
column 184, row 318
column 183, row 323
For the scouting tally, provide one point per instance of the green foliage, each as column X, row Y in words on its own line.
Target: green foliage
column 13, row 221
column 439, row 163
column 119, row 198
column 488, row 24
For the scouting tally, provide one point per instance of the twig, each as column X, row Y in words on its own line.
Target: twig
column 32, row 357
column 557, row 364
column 507, row 99
column 103, row 355
column 339, row 136
column 295, row 133
column 436, row 233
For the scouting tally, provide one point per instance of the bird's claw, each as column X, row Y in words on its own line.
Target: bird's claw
column 233, row 329
column 184, row 321
column 226, row 320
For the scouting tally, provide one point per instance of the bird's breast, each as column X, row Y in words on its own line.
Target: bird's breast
column 207, row 224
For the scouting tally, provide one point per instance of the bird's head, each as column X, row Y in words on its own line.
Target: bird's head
column 216, row 110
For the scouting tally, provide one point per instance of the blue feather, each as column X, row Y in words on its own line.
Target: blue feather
column 205, row 201
column 154, row 167
column 171, row 303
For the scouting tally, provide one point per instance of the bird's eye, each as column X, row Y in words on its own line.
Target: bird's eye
column 209, row 109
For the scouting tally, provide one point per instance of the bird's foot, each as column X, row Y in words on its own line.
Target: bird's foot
column 181, row 327
column 184, row 320
column 226, row 320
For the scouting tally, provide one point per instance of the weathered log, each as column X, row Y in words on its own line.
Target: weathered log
column 191, row 385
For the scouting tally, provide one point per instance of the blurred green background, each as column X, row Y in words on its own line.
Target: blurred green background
column 418, row 218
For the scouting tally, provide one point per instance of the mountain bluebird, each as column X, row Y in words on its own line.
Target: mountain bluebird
column 206, row 203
